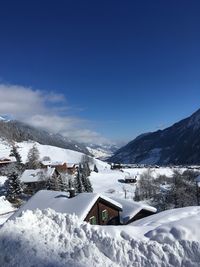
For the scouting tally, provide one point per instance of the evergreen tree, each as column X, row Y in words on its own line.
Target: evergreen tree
column 78, row 181
column 95, row 168
column 63, row 183
column 15, row 153
column 13, row 186
column 84, row 174
column 137, row 194
column 70, row 183
column 33, row 158
column 54, row 183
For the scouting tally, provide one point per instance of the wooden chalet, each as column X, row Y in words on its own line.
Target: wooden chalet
column 132, row 211
column 61, row 167
column 116, row 166
column 4, row 161
column 90, row 207
column 130, row 179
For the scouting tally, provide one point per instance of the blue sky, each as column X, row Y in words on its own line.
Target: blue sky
column 117, row 68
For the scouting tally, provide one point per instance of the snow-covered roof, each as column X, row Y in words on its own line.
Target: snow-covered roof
column 57, row 163
column 79, row 205
column 70, row 165
column 131, row 208
column 52, row 163
column 30, row 176
column 7, row 159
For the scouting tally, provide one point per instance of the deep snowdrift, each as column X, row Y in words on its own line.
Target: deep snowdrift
column 46, row 238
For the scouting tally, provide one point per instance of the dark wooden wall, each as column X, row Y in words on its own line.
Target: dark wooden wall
column 100, row 205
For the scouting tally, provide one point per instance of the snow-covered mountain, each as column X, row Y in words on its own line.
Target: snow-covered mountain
column 102, row 151
column 178, row 144
column 17, row 131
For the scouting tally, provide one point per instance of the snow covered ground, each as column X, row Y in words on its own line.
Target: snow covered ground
column 111, row 182
column 6, row 209
column 46, row 238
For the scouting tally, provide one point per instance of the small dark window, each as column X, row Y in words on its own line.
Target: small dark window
column 93, row 220
column 104, row 215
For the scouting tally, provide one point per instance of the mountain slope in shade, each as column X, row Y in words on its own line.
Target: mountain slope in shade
column 178, row 144
column 18, row 132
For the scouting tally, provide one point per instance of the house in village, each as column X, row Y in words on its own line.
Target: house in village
column 132, row 211
column 116, row 166
column 36, row 180
column 89, row 207
column 130, row 179
column 61, row 167
column 4, row 161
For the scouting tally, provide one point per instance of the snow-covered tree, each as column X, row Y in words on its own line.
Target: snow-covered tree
column 137, row 194
column 84, row 174
column 64, row 182
column 15, row 153
column 179, row 191
column 33, row 158
column 78, row 181
column 87, row 159
column 147, row 186
column 53, row 184
column 13, row 186
column 18, row 164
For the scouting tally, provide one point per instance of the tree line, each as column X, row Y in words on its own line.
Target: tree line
column 180, row 190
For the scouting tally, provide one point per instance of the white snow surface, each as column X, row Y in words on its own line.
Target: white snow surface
column 46, row 238
column 5, row 205
column 79, row 205
column 6, row 209
column 166, row 226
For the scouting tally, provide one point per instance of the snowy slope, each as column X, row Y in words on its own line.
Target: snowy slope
column 46, row 238
column 102, row 151
column 99, row 153
column 55, row 153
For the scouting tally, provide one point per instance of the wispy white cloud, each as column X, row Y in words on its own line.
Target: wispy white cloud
column 45, row 110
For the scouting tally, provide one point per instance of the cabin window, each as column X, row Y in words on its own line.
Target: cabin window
column 104, row 215
column 93, row 220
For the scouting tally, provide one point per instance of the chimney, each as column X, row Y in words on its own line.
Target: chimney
column 71, row 192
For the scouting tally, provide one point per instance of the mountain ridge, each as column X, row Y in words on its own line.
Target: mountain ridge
column 177, row 144
column 13, row 130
